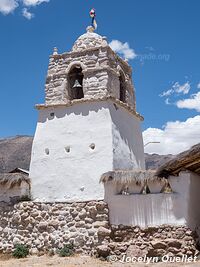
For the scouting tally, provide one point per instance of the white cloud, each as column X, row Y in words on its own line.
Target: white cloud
column 150, row 48
column 123, row 49
column 8, row 6
column 34, row 2
column 167, row 93
column 28, row 15
column 167, row 102
column 177, row 89
column 190, row 103
column 174, row 138
column 182, row 89
column 198, row 85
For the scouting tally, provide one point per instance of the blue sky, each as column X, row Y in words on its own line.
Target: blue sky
column 163, row 37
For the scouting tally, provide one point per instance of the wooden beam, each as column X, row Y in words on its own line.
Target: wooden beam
column 184, row 167
column 197, row 170
column 192, row 163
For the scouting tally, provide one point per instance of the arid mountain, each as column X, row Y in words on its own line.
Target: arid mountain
column 153, row 161
column 16, row 152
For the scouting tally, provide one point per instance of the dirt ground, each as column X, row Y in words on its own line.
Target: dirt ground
column 79, row 261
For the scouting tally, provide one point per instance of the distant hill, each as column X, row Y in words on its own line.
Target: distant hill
column 153, row 161
column 16, row 152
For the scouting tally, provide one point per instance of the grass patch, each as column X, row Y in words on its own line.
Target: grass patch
column 20, row 251
column 66, row 251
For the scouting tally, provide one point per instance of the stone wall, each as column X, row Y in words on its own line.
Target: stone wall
column 101, row 69
column 47, row 227
column 151, row 241
column 44, row 228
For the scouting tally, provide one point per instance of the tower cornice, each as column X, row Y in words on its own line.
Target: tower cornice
column 115, row 101
column 92, row 49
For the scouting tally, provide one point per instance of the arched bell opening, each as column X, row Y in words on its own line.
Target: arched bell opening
column 122, row 89
column 75, row 80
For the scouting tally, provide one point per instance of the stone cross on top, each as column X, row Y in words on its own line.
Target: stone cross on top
column 93, row 26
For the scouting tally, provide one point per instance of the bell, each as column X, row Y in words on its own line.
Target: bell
column 77, row 84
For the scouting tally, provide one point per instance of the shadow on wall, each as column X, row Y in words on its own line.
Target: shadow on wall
column 127, row 139
column 82, row 109
column 181, row 207
column 193, row 202
column 144, row 210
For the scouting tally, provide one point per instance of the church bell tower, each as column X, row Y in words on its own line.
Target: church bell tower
column 88, row 124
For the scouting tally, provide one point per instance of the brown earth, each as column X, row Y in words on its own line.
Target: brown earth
column 79, row 261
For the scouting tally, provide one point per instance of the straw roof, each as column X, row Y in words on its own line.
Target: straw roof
column 130, row 176
column 20, row 170
column 12, row 179
column 187, row 160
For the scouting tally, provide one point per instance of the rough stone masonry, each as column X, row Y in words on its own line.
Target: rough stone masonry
column 45, row 228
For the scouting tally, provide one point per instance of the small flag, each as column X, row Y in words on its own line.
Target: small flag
column 93, row 15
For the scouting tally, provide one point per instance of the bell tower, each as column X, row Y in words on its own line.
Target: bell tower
column 88, row 124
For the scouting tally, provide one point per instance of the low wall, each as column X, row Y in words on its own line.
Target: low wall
column 47, row 227
column 147, row 210
column 12, row 194
column 180, row 207
column 152, row 241
column 44, row 228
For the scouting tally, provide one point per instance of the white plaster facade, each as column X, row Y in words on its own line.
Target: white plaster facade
column 178, row 208
column 73, row 175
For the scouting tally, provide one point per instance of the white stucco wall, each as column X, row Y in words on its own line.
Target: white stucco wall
column 178, row 208
column 193, row 218
column 74, row 176
column 128, row 148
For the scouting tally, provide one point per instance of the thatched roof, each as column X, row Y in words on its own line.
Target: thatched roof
column 12, row 179
column 129, row 176
column 20, row 170
column 187, row 160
